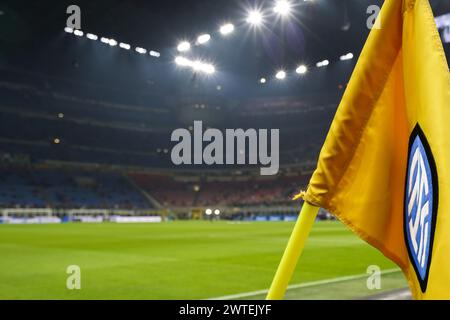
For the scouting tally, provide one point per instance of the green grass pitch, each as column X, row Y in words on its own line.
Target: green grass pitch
column 176, row 260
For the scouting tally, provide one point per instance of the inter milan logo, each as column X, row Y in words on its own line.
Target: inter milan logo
column 420, row 207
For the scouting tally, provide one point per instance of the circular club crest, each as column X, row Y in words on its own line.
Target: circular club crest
column 420, row 206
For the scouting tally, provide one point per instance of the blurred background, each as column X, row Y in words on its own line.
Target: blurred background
column 86, row 116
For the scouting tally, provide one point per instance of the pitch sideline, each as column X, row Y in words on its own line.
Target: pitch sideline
column 302, row 285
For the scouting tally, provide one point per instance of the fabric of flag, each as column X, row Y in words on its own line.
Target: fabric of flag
column 384, row 169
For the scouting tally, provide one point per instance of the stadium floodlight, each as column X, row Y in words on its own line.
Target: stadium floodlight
column 104, row 40
column 281, row 75
column 203, row 38
column 255, row 17
column 125, row 46
column 207, row 68
column 112, row 42
column 68, row 30
column 182, row 61
column 56, row 141
column 78, row 33
column 262, row 80
column 203, row 67
column 226, row 29
column 208, row 212
column 91, row 36
column 282, row 7
column 140, row 50
column 323, row 63
column 217, row 212
column 348, row 56
column 155, row 54
column 184, row 46
column 302, row 69
column 197, row 65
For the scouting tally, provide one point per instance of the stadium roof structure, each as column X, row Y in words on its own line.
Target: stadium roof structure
column 314, row 31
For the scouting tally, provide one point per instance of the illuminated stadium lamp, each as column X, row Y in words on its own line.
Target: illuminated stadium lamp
column 282, row 7
column 182, row 61
column 125, row 46
column 204, row 38
column 91, row 36
column 226, row 29
column 112, row 42
column 155, row 54
column 140, row 50
column 60, row 115
column 323, row 63
column 262, row 80
column 184, row 46
column 301, row 69
column 104, row 40
column 78, row 33
column 207, row 68
column 348, row 56
column 68, row 30
column 197, row 65
column 56, row 141
column 280, row 75
column 208, row 212
column 255, row 17
column 217, row 212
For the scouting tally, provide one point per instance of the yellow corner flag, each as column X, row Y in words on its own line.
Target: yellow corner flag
column 384, row 169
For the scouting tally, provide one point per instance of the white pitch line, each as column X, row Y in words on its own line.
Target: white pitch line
column 302, row 285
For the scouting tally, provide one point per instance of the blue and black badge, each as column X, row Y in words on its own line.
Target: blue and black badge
column 420, row 205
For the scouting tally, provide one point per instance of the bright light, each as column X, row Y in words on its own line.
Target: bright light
column 112, row 42
column 208, row 212
column 301, row 69
column 227, row 29
column 204, row 67
column 348, row 56
column 204, row 38
column 68, row 30
column 91, row 36
column 255, row 17
column 217, row 212
column 155, row 54
column 104, row 40
column 56, row 141
column 140, row 50
column 282, row 7
column 60, row 115
column 208, row 68
column 125, row 46
column 182, row 61
column 184, row 46
column 78, row 33
column 262, row 80
column 323, row 63
column 280, row 75
column 195, row 65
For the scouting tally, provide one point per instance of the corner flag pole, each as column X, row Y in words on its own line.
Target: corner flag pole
column 293, row 251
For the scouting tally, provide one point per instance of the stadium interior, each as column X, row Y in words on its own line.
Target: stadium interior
column 86, row 124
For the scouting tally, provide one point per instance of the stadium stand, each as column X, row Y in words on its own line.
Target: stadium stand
column 173, row 191
column 28, row 187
